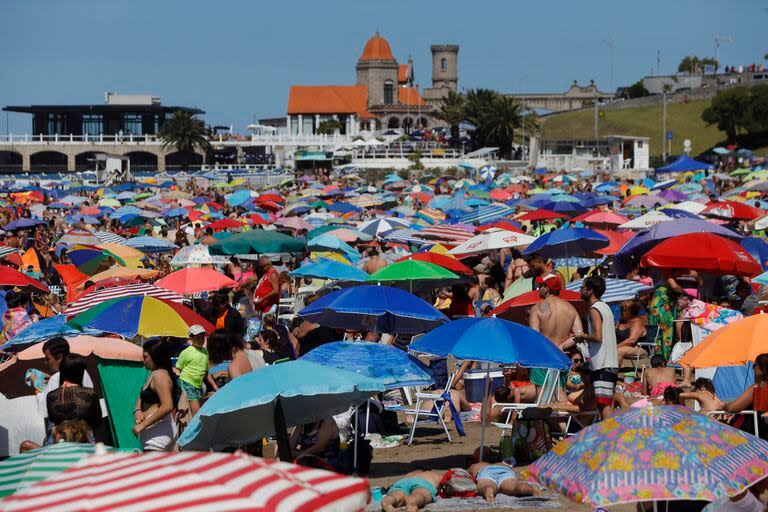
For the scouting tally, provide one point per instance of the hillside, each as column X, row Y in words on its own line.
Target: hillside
column 684, row 120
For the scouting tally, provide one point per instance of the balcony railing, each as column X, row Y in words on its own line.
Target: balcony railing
column 220, row 140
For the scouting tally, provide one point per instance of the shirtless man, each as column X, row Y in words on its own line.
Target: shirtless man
column 374, row 262
column 657, row 377
column 553, row 317
column 493, row 479
column 704, row 393
column 414, row 491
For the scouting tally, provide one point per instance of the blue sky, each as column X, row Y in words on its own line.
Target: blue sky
column 237, row 59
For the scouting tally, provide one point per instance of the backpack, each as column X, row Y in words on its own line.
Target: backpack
column 457, row 483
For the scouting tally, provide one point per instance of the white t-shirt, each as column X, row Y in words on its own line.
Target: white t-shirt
column 747, row 503
column 605, row 354
column 53, row 383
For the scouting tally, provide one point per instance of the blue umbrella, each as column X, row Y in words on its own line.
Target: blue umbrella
column 758, row 248
column 44, row 330
column 296, row 392
column 616, row 290
column 23, row 223
column 567, row 242
column 332, row 243
column 392, row 367
column 175, row 212
column 238, row 198
column 374, row 308
column 150, row 244
column 329, row 269
column 342, row 207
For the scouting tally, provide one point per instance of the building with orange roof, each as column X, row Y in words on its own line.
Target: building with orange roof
column 384, row 95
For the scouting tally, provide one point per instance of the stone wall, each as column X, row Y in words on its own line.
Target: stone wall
column 373, row 74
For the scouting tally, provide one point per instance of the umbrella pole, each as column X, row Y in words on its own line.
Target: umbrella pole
column 483, row 414
column 357, row 425
column 281, row 432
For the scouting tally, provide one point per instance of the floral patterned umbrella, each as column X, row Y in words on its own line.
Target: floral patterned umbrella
column 653, row 454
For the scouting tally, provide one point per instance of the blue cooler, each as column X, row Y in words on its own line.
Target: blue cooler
column 474, row 383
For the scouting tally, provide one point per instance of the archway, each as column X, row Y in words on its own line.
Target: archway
column 10, row 162
column 408, row 124
column 181, row 160
column 423, row 122
column 48, row 161
column 85, row 161
column 393, row 123
column 142, row 161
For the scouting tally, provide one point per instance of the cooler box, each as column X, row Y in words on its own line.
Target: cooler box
column 474, row 383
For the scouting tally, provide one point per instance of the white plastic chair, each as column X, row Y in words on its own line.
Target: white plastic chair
column 440, row 403
column 548, row 389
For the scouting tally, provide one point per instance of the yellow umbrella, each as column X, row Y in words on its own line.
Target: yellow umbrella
column 329, row 256
column 441, row 249
column 130, row 255
column 108, row 201
column 124, row 272
column 639, row 190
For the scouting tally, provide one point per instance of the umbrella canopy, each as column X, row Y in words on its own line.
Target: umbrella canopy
column 124, row 273
column 616, row 290
column 568, row 242
column 195, row 280
column 332, row 243
column 492, row 239
column 646, row 221
column 258, row 241
column 185, row 481
column 442, row 260
column 504, row 342
column 11, row 277
column 654, row 453
column 414, row 270
column 329, row 269
column 734, row 344
column 98, row 294
column 540, row 214
column 386, row 364
column 714, row 254
column 758, row 248
column 374, row 308
column 516, row 308
column 79, row 236
column 242, row 412
column 137, row 315
column 105, row 348
column 732, row 210
column 43, row 330
column 382, row 225
column 600, row 217
column 150, row 244
column 197, row 254
column 23, row 470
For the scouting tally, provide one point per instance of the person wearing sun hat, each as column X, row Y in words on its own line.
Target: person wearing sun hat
column 193, row 367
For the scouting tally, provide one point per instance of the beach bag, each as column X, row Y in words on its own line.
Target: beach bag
column 531, row 436
column 457, row 483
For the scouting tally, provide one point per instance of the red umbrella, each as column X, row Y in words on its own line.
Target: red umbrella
column 12, row 277
column 502, row 224
column 222, row 224
column 705, row 252
column 515, row 309
column 732, row 210
column 258, row 219
column 500, row 194
column 617, row 240
column 272, row 198
column 97, row 294
column 541, row 214
column 194, row 280
column 600, row 217
column 440, row 260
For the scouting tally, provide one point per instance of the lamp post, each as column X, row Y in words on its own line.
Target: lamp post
column 611, row 43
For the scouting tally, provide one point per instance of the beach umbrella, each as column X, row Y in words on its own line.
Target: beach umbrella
column 454, row 234
column 99, row 293
column 249, row 408
column 348, row 235
column 600, row 217
column 648, row 202
column 647, row 220
column 442, row 260
column 539, row 215
column 567, row 242
column 121, row 481
column 227, row 223
column 295, row 223
column 150, row 244
column 11, row 277
column 23, row 470
column 617, row 240
column 118, row 272
column 258, row 241
column 491, row 240
column 516, row 308
column 382, row 309
column 673, row 195
column 616, row 290
column 329, row 269
column 138, row 315
column 331, row 243
column 412, row 272
column 196, row 254
column 375, row 227
column 43, row 330
column 189, row 281
column 713, row 253
column 107, row 237
column 662, row 453
column 757, row 248
column 732, row 210
column 391, row 366
column 78, row 237
column 23, row 223
column 735, row 344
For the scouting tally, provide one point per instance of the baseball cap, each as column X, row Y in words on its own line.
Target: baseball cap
column 552, row 282
column 194, row 330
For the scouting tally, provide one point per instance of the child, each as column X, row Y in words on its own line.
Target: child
column 193, row 367
column 704, row 393
column 417, row 490
column 658, row 377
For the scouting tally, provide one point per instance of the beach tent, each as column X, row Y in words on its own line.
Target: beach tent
column 683, row 164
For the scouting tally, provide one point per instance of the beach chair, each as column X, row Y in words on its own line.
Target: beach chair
column 570, row 418
column 436, row 413
column 651, row 335
column 755, row 417
column 548, row 389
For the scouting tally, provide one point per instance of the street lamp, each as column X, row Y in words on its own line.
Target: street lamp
column 611, row 43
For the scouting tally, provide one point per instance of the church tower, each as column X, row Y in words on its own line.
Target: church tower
column 377, row 69
column 445, row 72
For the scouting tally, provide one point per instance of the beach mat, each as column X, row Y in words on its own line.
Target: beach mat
column 503, row 502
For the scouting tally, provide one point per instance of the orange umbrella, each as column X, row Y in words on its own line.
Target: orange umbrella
column 124, row 272
column 733, row 345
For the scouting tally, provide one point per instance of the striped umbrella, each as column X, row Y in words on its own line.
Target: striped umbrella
column 616, row 290
column 109, row 238
column 79, row 237
column 91, row 299
column 487, row 213
column 191, row 481
column 23, row 470
column 450, row 234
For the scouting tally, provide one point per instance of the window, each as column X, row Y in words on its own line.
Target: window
column 132, row 124
column 443, row 63
column 92, row 124
column 389, row 92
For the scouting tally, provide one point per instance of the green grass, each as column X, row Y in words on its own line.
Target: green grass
column 684, row 120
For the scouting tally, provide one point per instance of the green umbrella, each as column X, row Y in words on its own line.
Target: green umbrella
column 258, row 241
column 408, row 271
column 322, row 230
column 319, row 204
column 23, row 470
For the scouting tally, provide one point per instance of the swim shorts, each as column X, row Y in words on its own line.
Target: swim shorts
column 497, row 474
column 407, row 485
column 192, row 392
column 604, row 384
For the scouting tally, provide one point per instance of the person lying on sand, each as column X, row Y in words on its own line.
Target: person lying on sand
column 493, row 479
column 415, row 491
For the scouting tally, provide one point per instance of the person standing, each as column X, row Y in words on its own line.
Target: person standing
column 267, row 292
column 153, row 415
column 193, row 367
column 601, row 344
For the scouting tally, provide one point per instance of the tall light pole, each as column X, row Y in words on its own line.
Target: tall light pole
column 611, row 43
column 664, row 126
column 718, row 40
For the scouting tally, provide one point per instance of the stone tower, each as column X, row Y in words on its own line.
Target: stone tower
column 445, row 72
column 377, row 69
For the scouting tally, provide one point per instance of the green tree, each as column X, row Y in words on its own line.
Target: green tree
column 689, row 64
column 637, row 90
column 329, row 127
column 758, row 109
column 185, row 133
column 452, row 112
column 496, row 117
column 709, row 61
column 730, row 111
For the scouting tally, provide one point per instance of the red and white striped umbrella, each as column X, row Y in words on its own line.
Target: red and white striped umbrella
column 445, row 234
column 115, row 292
column 190, row 481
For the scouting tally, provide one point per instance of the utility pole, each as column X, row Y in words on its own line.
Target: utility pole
column 664, row 126
column 611, row 45
column 718, row 40
column 658, row 62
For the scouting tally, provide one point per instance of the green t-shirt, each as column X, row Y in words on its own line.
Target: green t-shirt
column 193, row 363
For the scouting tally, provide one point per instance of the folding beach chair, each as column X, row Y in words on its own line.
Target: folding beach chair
column 441, row 401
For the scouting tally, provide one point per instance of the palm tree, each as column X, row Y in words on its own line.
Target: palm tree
column 452, row 112
column 185, row 133
column 506, row 116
